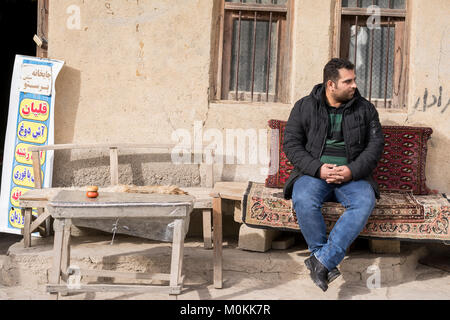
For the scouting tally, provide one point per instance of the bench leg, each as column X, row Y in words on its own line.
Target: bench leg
column 207, row 243
column 176, row 264
column 217, row 235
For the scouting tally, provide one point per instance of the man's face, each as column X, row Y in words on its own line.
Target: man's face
column 345, row 88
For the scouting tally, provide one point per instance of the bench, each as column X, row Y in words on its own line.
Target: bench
column 39, row 197
column 407, row 211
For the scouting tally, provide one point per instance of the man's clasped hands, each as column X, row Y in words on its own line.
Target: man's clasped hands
column 332, row 173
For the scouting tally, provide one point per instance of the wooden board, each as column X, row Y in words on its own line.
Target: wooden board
column 39, row 194
column 229, row 190
column 203, row 199
column 112, row 288
column 69, row 198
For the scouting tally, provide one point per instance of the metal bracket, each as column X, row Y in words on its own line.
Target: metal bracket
column 41, row 42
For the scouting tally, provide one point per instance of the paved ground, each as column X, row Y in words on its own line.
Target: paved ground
column 276, row 274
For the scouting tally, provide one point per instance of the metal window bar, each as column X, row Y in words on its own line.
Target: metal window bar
column 268, row 64
column 371, row 64
column 356, row 37
column 387, row 59
column 388, row 52
column 268, row 58
column 387, row 62
column 253, row 54
column 386, row 56
column 371, row 61
column 238, row 55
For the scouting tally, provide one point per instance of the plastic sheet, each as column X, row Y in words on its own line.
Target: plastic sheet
column 159, row 229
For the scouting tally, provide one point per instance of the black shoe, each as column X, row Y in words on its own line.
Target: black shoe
column 319, row 273
column 333, row 274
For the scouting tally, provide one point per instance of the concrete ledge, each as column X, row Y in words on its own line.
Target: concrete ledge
column 270, row 271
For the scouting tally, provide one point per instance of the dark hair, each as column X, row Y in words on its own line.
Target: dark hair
column 331, row 69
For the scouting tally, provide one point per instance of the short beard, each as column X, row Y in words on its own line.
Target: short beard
column 343, row 99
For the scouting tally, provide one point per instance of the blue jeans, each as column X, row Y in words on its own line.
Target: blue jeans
column 310, row 193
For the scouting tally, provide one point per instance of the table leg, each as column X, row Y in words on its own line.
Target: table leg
column 176, row 264
column 48, row 226
column 26, row 227
column 55, row 275
column 65, row 250
column 217, row 236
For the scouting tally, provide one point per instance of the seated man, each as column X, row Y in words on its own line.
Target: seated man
column 334, row 140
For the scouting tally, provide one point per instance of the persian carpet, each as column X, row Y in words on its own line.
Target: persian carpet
column 396, row 215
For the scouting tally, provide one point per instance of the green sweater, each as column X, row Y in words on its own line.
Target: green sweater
column 334, row 150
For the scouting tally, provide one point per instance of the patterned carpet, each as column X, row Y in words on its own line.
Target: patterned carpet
column 398, row 215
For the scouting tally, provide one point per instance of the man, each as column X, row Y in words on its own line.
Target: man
column 334, row 140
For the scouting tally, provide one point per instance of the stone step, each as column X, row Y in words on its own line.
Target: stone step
column 30, row 267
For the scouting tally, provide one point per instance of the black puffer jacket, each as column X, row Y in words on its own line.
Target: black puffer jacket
column 306, row 132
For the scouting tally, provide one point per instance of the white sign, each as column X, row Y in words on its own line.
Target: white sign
column 30, row 123
column 36, row 79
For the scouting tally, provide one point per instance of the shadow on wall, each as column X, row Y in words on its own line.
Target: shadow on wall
column 82, row 167
column 66, row 103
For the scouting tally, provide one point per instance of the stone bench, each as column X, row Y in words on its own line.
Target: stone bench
column 424, row 214
column 264, row 213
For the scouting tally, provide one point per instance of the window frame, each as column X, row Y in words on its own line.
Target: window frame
column 42, row 27
column 398, row 18
column 226, row 12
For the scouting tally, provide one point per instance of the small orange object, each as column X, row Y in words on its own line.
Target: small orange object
column 92, row 192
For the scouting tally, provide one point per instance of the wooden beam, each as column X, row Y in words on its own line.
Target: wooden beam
column 207, row 229
column 54, row 288
column 219, row 48
column 26, row 227
column 255, row 7
column 176, row 263
column 125, row 275
column 111, row 145
column 36, row 170
column 217, row 239
column 336, row 44
column 383, row 12
column 42, row 27
column 114, row 166
column 39, row 220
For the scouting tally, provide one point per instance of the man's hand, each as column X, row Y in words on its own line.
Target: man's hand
column 335, row 174
column 327, row 171
column 340, row 175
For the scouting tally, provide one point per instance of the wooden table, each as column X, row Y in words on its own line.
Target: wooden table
column 222, row 190
column 67, row 205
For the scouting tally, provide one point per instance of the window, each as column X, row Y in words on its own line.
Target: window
column 253, row 51
column 373, row 37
